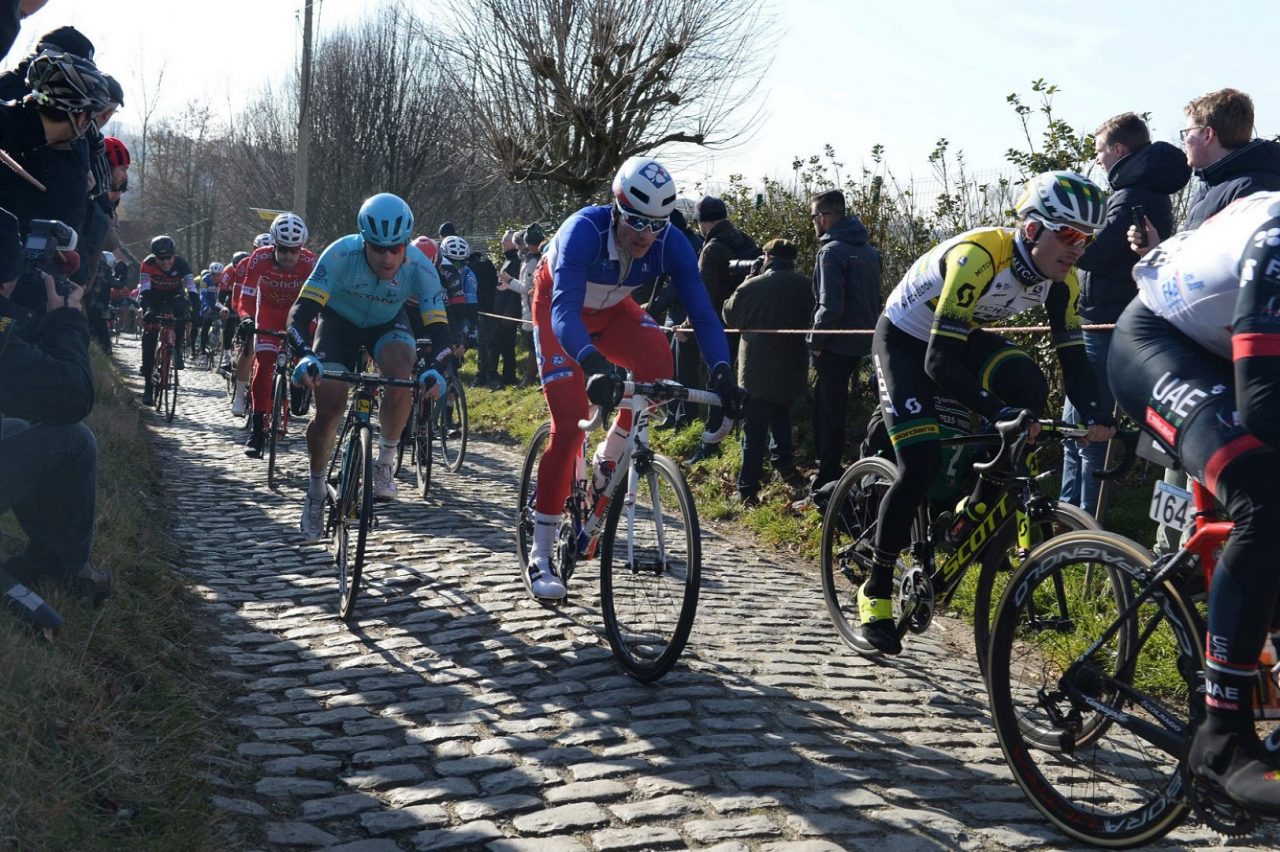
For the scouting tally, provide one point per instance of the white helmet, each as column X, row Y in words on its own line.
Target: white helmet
column 216, row 268
column 261, row 240
column 455, row 248
column 1064, row 197
column 109, row 259
column 643, row 186
column 288, row 230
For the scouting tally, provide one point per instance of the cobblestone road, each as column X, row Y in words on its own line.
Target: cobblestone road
column 456, row 713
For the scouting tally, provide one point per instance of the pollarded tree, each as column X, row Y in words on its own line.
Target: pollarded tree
column 561, row 92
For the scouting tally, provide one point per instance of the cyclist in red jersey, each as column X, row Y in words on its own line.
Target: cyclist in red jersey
column 244, row 366
column 274, row 276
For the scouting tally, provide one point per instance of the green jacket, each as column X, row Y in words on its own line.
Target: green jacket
column 772, row 367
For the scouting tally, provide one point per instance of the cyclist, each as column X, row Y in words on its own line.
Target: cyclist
column 274, row 276
column 164, row 281
column 1196, row 360
column 929, row 341
column 208, row 303
column 228, row 293
column 583, row 320
column 358, row 289
column 244, row 331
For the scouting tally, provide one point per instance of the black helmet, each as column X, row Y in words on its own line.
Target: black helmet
column 238, row 256
column 67, row 82
column 163, row 246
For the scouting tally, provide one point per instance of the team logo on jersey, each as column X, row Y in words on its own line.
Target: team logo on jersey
column 1269, row 237
column 913, row 405
column 656, row 174
column 557, row 360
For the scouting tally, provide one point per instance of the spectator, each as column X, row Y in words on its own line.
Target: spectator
column 772, row 367
column 846, row 296
column 11, row 14
column 529, row 241
column 48, row 458
column 1142, row 174
column 486, row 289
column 507, row 303
column 669, row 310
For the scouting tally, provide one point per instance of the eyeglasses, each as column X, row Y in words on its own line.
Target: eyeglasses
column 1182, row 134
column 813, row 217
column 636, row 222
column 388, row 249
column 1072, row 236
column 288, row 249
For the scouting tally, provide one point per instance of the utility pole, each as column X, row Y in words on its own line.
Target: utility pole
column 304, row 117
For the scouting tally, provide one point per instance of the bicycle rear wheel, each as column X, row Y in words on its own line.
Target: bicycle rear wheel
column 1095, row 742
column 528, row 493
column 849, row 527
column 1003, row 555
column 279, row 404
column 354, row 517
column 452, row 425
column 650, row 569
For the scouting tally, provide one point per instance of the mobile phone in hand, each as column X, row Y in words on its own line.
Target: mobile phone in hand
column 1140, row 224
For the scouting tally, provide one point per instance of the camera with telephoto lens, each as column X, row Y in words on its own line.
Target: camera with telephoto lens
column 45, row 238
column 750, row 267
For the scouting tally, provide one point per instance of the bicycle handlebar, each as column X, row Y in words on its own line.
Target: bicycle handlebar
column 366, row 379
column 662, row 390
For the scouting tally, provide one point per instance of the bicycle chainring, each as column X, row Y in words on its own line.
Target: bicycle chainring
column 1217, row 810
column 916, row 600
column 566, row 549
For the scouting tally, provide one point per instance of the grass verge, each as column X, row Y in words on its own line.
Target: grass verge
column 105, row 727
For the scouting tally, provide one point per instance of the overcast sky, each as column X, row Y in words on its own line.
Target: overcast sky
column 850, row 74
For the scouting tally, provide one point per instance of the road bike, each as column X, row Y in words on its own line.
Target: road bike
column 643, row 525
column 929, row 572
column 418, row 439
column 282, row 393
column 349, row 501
column 450, row 428
column 164, row 375
column 1097, row 686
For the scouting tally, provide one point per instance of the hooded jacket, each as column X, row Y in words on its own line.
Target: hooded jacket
column 1253, row 167
column 1146, row 177
column 846, row 289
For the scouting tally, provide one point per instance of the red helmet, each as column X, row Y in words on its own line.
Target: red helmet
column 117, row 153
column 428, row 246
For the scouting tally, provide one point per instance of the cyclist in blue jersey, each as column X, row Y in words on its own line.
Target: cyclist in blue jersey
column 584, row 323
column 358, row 289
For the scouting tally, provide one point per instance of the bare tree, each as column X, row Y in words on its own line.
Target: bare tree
column 150, row 100
column 563, row 91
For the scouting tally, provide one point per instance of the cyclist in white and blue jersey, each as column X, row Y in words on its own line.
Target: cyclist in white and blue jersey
column 358, row 289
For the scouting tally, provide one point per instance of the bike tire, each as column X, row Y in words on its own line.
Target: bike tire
column 453, row 449
column 279, row 404
column 171, row 401
column 848, row 535
column 527, row 495
column 1085, row 769
column 355, row 510
column 421, row 450
column 159, row 380
column 650, row 572
column 1002, row 556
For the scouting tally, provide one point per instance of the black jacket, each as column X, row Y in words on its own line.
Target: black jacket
column 772, row 367
column 846, row 289
column 1146, row 177
column 507, row 302
column 486, row 282
column 45, row 375
column 1254, row 167
column 724, row 243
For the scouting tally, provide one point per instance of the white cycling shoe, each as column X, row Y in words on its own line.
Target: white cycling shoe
column 384, row 482
column 543, row 580
column 311, row 524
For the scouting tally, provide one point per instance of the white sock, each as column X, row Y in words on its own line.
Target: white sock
column 544, row 536
column 387, row 452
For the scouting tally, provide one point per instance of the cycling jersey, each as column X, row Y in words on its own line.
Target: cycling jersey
column 208, row 295
column 343, row 282
column 268, row 289
column 155, row 284
column 975, row 279
column 583, row 261
column 451, row 282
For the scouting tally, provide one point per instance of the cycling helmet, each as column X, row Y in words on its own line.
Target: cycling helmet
column 164, row 246
column 455, row 248
column 428, row 247
column 288, row 230
column 261, row 240
column 109, row 259
column 66, row 82
column 238, row 256
column 643, row 186
column 216, row 268
column 385, row 220
column 117, row 153
column 1064, row 197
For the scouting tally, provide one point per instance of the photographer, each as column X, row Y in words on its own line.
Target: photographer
column 48, row 458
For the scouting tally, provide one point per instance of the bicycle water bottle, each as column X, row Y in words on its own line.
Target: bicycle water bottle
column 968, row 512
column 580, row 465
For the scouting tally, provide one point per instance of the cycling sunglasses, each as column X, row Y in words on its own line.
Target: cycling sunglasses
column 636, row 222
column 1072, row 236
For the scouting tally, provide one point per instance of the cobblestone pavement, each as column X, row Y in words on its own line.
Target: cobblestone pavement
column 455, row 713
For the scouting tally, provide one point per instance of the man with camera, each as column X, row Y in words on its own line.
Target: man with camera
column 48, row 458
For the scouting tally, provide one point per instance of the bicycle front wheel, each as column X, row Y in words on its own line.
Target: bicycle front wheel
column 355, row 516
column 452, row 426
column 528, row 493
column 650, row 569
column 1095, row 741
column 420, row 437
column 171, row 390
column 279, row 403
column 1005, row 553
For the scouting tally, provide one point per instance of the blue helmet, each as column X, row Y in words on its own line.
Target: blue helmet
column 385, row 220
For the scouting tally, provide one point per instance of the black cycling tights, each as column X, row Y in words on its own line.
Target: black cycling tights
column 1184, row 395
